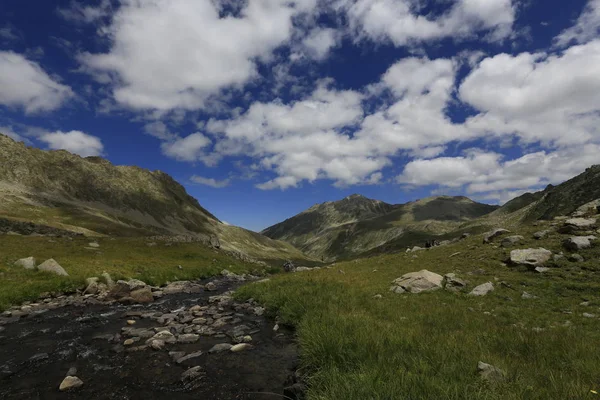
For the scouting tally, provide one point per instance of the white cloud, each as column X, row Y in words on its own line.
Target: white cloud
column 75, row 142
column 8, row 34
column 210, row 181
column 177, row 53
column 487, row 176
column 319, row 42
column 428, row 152
column 538, row 97
column 25, row 84
column 400, row 21
column 85, row 14
column 190, row 148
column 585, row 29
column 159, row 130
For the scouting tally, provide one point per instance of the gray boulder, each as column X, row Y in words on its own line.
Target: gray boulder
column 575, row 258
column 578, row 224
column 27, row 263
column 578, row 242
column 482, row 289
column 142, row 295
column 417, row 282
column 511, row 240
column 53, row 267
column 489, row 236
column 182, row 287
column 530, row 257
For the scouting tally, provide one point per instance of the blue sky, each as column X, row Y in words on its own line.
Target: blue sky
column 263, row 108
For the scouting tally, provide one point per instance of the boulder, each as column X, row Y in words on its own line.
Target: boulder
column 27, row 263
column 482, row 289
column 578, row 242
column 52, row 266
column 453, row 283
column 91, row 286
column 489, row 236
column 108, row 280
column 417, row 282
column 511, row 240
column 578, row 224
column 575, row 258
column 490, row 373
column 217, row 348
column 240, row 347
column 143, row 295
column 530, row 257
column 289, row 266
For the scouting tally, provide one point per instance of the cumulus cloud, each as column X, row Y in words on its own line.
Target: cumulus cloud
column 538, row 97
column 190, row 148
column 585, row 29
column 210, row 181
column 168, row 54
column 25, row 84
column 76, row 142
column 490, row 177
column 401, row 22
column 319, row 42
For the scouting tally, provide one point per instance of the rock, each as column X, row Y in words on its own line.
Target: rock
column 108, row 280
column 157, row 344
column 217, row 348
column 588, row 315
column 490, row 373
column 541, row 234
column 578, row 224
column 541, row 270
column 482, row 289
column 302, row 269
column 143, row 295
column 95, row 245
column 558, row 257
column 416, row 248
column 182, row 287
column 453, row 283
column 27, row 263
column 70, row 383
column 72, row 371
column 378, row 297
column 575, row 258
column 511, row 240
column 188, row 357
column 289, row 266
column 210, row 286
column 188, row 338
column 530, row 257
column 91, row 286
column 240, row 347
column 39, row 357
column 259, row 311
column 128, row 342
column 176, row 355
column 489, row 236
column 192, row 377
column 52, row 266
column 417, row 282
column 135, row 284
column 578, row 242
column 165, row 336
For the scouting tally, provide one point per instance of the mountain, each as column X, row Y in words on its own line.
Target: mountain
column 356, row 224
column 92, row 196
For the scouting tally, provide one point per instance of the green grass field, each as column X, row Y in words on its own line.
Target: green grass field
column 426, row 346
column 121, row 257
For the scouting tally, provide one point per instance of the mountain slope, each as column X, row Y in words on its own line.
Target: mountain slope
column 92, row 196
column 356, row 224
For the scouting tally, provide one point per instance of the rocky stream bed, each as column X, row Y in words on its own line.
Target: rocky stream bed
column 178, row 346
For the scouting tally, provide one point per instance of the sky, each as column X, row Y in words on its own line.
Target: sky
column 263, row 108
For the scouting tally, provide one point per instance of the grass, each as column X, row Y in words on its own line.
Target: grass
column 427, row 346
column 121, row 257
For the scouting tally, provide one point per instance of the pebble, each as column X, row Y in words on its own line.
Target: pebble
column 69, row 383
column 240, row 347
column 130, row 322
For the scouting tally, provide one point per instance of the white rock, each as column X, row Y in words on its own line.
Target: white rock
column 417, row 282
column 52, row 266
column 240, row 347
column 530, row 257
column 482, row 289
column 70, row 383
column 27, row 263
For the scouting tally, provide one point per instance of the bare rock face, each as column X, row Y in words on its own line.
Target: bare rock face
column 578, row 242
column 489, row 236
column 417, row 282
column 27, row 263
column 530, row 257
column 53, row 267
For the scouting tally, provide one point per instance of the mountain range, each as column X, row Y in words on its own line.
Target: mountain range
column 91, row 196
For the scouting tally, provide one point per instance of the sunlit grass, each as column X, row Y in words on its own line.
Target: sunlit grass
column 427, row 346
